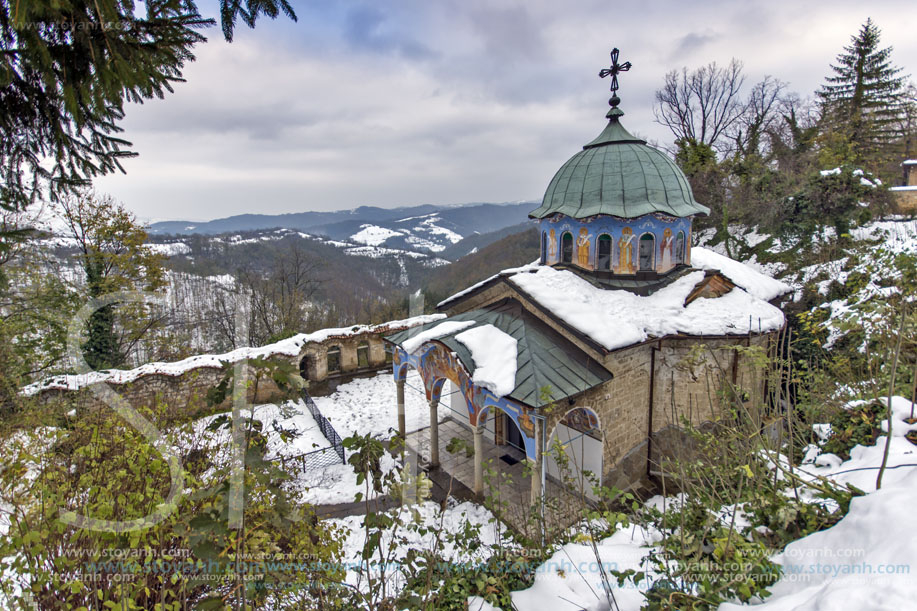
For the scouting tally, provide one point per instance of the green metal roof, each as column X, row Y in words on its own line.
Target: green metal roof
column 620, row 175
column 544, row 358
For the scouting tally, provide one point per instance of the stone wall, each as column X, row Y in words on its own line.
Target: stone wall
column 905, row 199
column 187, row 391
column 689, row 373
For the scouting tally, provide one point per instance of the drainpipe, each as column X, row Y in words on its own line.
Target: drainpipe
column 649, row 410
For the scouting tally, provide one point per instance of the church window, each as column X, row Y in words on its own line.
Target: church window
column 680, row 247
column 603, row 254
column 647, row 252
column 566, row 247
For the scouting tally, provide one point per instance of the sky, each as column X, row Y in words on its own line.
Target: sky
column 407, row 102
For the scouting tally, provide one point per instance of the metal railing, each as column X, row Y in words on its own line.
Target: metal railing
column 323, row 457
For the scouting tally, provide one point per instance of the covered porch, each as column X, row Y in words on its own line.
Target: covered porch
column 498, row 424
column 505, row 481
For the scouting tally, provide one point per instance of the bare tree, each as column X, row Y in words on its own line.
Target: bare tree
column 761, row 114
column 703, row 105
column 281, row 297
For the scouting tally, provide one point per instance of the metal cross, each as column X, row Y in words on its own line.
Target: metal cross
column 614, row 70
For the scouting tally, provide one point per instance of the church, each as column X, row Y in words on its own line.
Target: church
column 602, row 347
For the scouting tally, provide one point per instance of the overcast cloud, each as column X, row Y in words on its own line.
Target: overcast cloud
column 410, row 101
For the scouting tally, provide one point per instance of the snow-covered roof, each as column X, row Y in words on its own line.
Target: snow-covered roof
column 287, row 347
column 910, row 162
column 618, row 318
column 494, row 356
column 506, row 272
column 751, row 280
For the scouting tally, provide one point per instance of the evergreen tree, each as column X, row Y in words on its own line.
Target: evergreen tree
column 112, row 252
column 66, row 70
column 862, row 102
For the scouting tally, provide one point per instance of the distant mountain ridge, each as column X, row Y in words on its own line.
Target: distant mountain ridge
column 464, row 219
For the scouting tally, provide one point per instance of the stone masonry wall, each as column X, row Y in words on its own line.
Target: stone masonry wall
column 188, row 390
column 688, row 375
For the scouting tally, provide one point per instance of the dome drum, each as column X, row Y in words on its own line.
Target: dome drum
column 646, row 246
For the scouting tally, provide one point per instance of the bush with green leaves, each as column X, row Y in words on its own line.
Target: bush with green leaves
column 96, row 465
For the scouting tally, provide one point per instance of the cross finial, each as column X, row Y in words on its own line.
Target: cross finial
column 613, row 72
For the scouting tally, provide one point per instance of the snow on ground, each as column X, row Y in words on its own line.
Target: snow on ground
column 424, row 243
column 572, row 577
column 431, row 516
column 170, row 249
column 429, row 225
column 867, row 560
column 337, row 483
column 369, row 405
column 373, row 235
column 292, row 417
column 494, row 356
column 287, row 347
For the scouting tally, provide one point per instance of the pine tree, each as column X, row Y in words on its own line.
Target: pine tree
column 66, row 70
column 862, row 103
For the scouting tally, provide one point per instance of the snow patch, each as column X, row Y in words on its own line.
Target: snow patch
column 494, row 355
column 373, row 235
column 755, row 283
column 449, row 327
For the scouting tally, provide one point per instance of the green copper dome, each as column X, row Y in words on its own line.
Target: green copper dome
column 620, row 175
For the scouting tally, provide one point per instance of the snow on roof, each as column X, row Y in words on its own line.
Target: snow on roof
column 448, row 327
column 619, row 318
column 910, row 162
column 754, row 282
column 904, row 188
column 494, row 356
column 287, row 347
column 505, row 272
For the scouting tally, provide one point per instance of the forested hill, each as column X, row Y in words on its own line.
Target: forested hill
column 425, row 228
column 511, row 251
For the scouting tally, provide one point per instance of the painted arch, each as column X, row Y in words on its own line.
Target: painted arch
column 436, row 364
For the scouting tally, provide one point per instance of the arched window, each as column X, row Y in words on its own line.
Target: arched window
column 304, row 366
column 363, row 354
column 603, row 252
column 647, row 252
column 566, row 247
column 334, row 359
column 544, row 247
column 680, row 247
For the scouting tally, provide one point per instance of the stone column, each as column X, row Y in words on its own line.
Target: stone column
column 536, row 467
column 478, row 461
column 434, row 433
column 400, row 393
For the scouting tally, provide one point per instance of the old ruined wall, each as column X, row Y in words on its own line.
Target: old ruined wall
column 316, row 355
column 188, row 391
column 906, row 199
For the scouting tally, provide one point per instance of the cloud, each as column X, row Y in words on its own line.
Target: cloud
column 367, row 28
column 440, row 102
column 688, row 44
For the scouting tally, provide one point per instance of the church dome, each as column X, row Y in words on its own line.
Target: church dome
column 620, row 175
